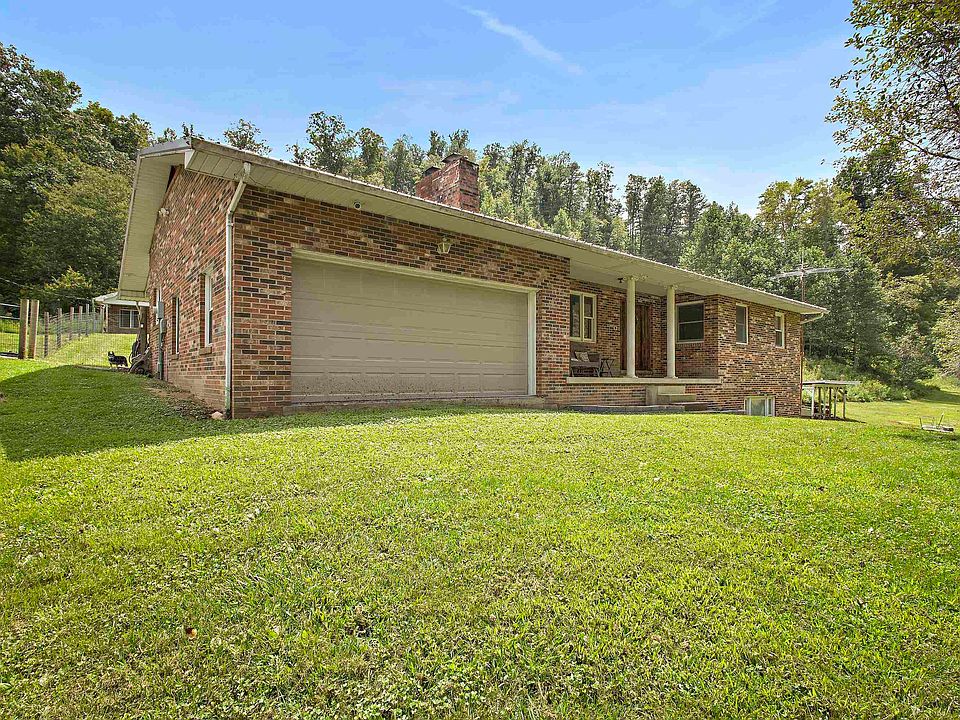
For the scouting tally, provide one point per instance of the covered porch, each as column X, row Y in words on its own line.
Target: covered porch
column 631, row 330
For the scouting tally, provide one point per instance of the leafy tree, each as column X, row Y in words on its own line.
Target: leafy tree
column 33, row 102
column 66, row 289
column 460, row 143
column 633, row 200
column 80, row 227
column 244, row 135
column 904, row 83
column 900, row 227
column 602, row 204
column 946, row 338
column 332, row 144
column 369, row 164
column 562, row 224
column 402, row 165
column 438, row 147
column 126, row 134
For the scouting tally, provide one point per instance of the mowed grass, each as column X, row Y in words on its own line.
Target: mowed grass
column 88, row 349
column 455, row 562
column 942, row 400
column 9, row 341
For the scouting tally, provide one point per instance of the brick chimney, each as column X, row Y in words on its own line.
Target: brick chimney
column 455, row 183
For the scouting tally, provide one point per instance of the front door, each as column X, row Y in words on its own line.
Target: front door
column 644, row 341
column 644, row 358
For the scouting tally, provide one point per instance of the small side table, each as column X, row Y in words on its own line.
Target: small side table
column 605, row 368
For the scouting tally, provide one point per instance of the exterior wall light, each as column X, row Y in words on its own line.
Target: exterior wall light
column 443, row 247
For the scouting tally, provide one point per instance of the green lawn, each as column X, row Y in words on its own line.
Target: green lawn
column 89, row 349
column 9, row 341
column 943, row 399
column 470, row 563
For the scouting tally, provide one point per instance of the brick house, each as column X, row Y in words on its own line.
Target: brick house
column 118, row 316
column 275, row 287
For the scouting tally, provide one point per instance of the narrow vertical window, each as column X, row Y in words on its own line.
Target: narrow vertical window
column 157, row 306
column 779, row 330
column 207, row 309
column 176, row 325
column 743, row 324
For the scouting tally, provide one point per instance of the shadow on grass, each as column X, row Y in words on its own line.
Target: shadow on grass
column 53, row 411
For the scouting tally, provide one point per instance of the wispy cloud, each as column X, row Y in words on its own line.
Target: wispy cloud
column 730, row 20
column 527, row 42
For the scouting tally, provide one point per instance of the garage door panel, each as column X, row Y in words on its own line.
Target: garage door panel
column 361, row 333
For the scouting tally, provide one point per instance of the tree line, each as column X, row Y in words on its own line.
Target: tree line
column 885, row 225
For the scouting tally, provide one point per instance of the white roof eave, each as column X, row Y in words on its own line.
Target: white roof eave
column 210, row 158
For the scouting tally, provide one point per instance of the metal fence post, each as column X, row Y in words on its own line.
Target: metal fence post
column 46, row 333
column 59, row 326
column 70, row 326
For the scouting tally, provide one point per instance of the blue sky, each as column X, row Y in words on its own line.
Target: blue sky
column 729, row 94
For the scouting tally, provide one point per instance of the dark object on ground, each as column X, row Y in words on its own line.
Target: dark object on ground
column 117, row 361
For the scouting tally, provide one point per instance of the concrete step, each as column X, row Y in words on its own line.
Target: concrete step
column 672, row 398
column 625, row 409
column 695, row 406
column 681, row 407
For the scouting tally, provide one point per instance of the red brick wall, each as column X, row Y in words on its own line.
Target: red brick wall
column 759, row 367
column 188, row 241
column 697, row 359
column 610, row 303
column 270, row 225
column 113, row 320
column 455, row 183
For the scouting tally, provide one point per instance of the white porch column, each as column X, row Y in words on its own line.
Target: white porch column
column 672, row 331
column 631, row 323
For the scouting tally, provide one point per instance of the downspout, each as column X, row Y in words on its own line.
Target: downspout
column 228, row 292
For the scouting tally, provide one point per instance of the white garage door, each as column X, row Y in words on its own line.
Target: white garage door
column 371, row 334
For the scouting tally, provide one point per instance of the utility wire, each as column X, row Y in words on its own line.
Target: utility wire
column 60, row 297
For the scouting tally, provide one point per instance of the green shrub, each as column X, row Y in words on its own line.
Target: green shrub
column 870, row 389
column 873, row 391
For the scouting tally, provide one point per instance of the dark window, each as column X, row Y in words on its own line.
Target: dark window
column 690, row 322
column 742, row 327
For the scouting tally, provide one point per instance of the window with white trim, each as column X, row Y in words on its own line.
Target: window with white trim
column 779, row 330
column 207, row 309
column 759, row 405
column 583, row 317
column 690, row 322
column 176, row 325
column 157, row 305
column 743, row 324
column 128, row 319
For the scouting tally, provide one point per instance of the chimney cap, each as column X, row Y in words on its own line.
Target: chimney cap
column 454, row 155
